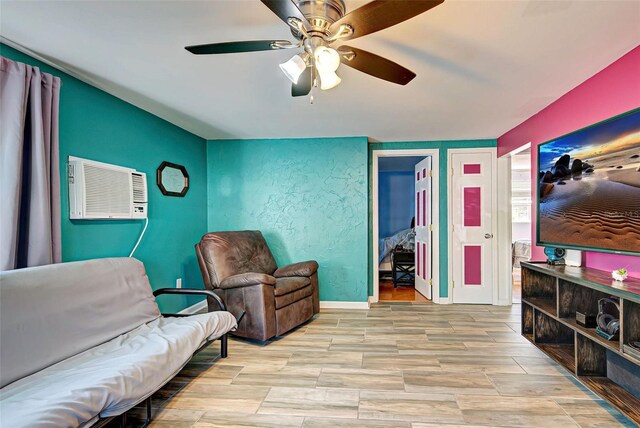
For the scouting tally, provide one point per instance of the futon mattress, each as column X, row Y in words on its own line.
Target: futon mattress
column 109, row 378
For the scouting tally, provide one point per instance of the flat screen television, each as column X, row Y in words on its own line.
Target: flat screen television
column 589, row 188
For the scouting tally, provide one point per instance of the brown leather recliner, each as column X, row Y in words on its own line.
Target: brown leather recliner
column 239, row 267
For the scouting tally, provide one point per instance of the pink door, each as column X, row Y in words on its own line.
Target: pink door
column 472, row 207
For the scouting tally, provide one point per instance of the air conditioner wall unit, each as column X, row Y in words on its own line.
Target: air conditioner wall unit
column 102, row 191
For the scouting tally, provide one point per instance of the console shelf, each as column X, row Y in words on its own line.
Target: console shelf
column 561, row 353
column 551, row 295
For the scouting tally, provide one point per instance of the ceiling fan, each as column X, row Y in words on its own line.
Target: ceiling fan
column 317, row 24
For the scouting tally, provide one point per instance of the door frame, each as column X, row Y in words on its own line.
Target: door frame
column 504, row 276
column 506, row 225
column 494, row 219
column 435, row 165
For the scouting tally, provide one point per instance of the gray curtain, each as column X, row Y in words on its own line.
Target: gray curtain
column 29, row 167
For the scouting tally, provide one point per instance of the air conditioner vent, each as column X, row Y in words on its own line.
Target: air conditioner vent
column 106, row 191
column 139, row 187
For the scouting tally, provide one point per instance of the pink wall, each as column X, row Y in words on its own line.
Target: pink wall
column 612, row 91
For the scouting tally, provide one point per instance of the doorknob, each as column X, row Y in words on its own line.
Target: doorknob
column 488, row 235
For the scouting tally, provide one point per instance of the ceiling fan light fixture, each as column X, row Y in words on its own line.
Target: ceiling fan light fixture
column 316, row 24
column 327, row 59
column 294, row 68
column 329, row 80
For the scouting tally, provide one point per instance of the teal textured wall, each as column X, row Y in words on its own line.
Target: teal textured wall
column 443, row 146
column 98, row 126
column 307, row 196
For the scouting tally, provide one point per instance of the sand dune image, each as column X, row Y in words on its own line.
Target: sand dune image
column 590, row 188
column 593, row 213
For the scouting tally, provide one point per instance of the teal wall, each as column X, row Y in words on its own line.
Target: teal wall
column 98, row 126
column 307, row 196
column 443, row 146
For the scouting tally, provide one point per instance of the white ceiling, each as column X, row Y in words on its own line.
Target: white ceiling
column 483, row 66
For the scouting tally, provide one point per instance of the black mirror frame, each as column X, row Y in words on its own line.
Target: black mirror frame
column 166, row 192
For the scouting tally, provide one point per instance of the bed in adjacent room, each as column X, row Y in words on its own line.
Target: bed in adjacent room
column 520, row 252
column 405, row 238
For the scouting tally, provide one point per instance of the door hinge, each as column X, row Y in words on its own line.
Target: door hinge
column 430, row 228
column 453, row 228
column 430, row 281
column 452, row 171
column 430, row 173
column 453, row 284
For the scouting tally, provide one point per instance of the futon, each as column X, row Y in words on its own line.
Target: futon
column 84, row 341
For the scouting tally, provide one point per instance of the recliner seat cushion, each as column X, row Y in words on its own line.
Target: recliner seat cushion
column 289, row 285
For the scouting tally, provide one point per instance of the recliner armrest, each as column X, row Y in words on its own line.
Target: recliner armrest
column 247, row 279
column 307, row 269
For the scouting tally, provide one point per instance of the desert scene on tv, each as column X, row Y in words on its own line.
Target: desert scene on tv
column 589, row 187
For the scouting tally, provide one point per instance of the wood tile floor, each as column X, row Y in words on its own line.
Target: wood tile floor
column 395, row 365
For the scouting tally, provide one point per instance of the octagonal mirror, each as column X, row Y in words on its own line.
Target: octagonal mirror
column 172, row 179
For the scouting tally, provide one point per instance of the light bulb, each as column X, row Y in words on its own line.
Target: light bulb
column 329, row 80
column 294, row 68
column 327, row 59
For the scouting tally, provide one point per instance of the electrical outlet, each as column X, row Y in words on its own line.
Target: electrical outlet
column 179, row 283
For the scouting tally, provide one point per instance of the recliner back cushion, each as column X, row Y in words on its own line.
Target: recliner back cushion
column 231, row 253
column 50, row 313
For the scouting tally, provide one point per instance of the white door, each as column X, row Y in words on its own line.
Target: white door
column 423, row 265
column 473, row 204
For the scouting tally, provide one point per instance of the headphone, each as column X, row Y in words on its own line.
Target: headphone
column 607, row 322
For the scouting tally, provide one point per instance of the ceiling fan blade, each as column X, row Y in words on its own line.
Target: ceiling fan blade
column 303, row 87
column 286, row 9
column 375, row 65
column 235, row 47
column 380, row 14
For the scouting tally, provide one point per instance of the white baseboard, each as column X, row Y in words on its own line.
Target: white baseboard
column 194, row 309
column 444, row 301
column 343, row 305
